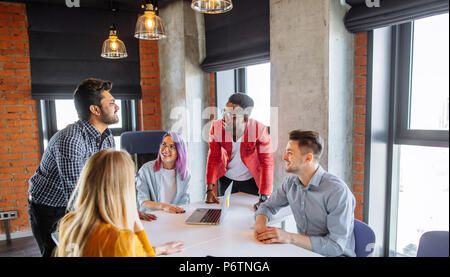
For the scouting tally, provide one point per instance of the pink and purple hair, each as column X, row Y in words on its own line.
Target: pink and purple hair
column 181, row 162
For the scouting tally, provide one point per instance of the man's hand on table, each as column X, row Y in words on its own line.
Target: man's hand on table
column 267, row 234
column 273, row 235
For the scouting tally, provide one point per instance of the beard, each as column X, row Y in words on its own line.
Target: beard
column 109, row 119
column 291, row 169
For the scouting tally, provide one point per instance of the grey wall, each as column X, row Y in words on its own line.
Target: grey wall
column 341, row 95
column 311, row 81
column 311, row 69
column 184, row 86
column 299, row 71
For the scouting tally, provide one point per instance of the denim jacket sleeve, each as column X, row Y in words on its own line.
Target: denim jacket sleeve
column 143, row 183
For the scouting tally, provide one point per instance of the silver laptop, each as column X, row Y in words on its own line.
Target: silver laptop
column 213, row 216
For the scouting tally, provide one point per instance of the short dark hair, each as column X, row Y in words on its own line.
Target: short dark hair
column 88, row 93
column 243, row 100
column 310, row 140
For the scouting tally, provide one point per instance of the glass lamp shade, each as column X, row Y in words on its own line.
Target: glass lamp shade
column 212, row 6
column 150, row 26
column 113, row 47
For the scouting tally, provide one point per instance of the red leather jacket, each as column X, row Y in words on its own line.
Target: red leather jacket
column 256, row 154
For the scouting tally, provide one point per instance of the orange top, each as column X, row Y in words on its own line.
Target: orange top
column 108, row 241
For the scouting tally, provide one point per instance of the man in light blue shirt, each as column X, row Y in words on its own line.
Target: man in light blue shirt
column 322, row 204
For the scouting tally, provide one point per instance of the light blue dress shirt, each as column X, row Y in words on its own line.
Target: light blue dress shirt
column 323, row 210
column 148, row 183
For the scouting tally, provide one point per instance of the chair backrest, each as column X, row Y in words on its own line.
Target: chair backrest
column 145, row 144
column 364, row 239
column 55, row 237
column 433, row 244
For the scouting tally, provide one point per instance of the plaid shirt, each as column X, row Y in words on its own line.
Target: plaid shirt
column 67, row 152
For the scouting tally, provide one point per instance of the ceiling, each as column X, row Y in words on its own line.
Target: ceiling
column 129, row 5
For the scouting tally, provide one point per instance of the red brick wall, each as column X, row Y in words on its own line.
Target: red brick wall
column 212, row 94
column 150, row 106
column 19, row 140
column 19, row 150
column 359, row 121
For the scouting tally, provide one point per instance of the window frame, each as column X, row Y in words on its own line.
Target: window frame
column 48, row 120
column 384, row 136
column 402, row 134
column 240, row 80
column 403, row 71
column 240, row 83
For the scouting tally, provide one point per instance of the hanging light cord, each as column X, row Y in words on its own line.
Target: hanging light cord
column 113, row 12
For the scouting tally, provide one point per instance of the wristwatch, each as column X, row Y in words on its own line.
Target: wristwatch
column 262, row 198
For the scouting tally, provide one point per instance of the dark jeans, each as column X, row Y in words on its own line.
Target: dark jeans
column 44, row 220
column 248, row 186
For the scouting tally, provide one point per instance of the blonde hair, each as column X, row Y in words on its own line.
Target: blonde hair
column 105, row 194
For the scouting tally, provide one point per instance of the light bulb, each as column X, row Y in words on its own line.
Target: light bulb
column 150, row 23
column 113, row 45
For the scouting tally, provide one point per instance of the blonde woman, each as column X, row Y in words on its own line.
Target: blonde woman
column 104, row 220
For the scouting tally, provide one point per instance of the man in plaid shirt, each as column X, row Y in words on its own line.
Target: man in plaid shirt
column 68, row 150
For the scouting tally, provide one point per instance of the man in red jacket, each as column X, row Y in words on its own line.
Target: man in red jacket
column 240, row 151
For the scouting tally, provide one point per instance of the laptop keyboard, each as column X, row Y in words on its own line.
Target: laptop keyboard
column 212, row 215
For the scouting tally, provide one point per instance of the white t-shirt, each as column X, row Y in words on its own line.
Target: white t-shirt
column 236, row 169
column 168, row 187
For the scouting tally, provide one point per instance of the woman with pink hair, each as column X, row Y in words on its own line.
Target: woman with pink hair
column 162, row 184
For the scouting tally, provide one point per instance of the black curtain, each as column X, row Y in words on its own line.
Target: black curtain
column 65, row 48
column 238, row 38
column 360, row 17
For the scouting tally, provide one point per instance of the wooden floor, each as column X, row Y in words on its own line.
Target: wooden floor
column 20, row 247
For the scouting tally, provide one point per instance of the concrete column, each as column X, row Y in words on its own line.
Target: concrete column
column 304, row 51
column 184, row 86
column 341, row 92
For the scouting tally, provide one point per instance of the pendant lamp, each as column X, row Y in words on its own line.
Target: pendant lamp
column 113, row 47
column 149, row 25
column 212, row 6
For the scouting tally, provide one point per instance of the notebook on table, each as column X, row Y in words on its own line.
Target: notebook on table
column 212, row 216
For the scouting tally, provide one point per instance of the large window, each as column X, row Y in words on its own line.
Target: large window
column 66, row 114
column 423, row 196
column 253, row 80
column 429, row 88
column 420, row 171
column 57, row 114
column 258, row 88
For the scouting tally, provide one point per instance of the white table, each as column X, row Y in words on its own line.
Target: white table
column 232, row 238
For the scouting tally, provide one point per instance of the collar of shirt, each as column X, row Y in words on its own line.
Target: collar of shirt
column 93, row 132
column 315, row 180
